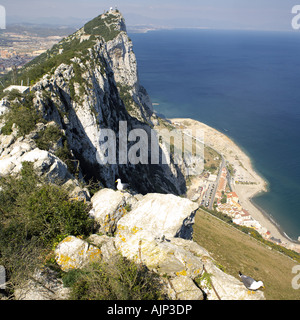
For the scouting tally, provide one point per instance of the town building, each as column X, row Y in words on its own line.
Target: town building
column 232, row 198
column 21, row 89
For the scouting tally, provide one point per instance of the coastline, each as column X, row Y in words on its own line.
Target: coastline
column 271, row 219
column 254, row 184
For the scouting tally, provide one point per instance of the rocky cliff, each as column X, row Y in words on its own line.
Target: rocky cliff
column 85, row 83
column 88, row 82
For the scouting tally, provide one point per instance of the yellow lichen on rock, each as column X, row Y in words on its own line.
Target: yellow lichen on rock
column 68, row 239
column 65, row 262
column 94, row 254
column 74, row 253
column 135, row 229
column 181, row 273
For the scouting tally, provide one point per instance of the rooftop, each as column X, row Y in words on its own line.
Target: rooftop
column 21, row 89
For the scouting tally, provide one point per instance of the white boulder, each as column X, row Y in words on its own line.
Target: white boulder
column 226, row 287
column 108, row 208
column 164, row 215
column 184, row 288
column 74, row 253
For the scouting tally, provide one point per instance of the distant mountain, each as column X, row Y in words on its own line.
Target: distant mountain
column 40, row 30
column 50, row 21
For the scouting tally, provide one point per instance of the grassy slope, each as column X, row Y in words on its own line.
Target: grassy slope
column 237, row 251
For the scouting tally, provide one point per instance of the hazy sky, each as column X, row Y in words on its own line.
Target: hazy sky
column 221, row 14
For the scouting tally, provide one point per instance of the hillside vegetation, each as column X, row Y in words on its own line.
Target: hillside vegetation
column 97, row 29
column 236, row 251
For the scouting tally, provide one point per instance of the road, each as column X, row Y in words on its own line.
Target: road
column 211, row 191
column 212, row 199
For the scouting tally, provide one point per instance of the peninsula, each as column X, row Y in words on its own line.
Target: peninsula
column 67, row 233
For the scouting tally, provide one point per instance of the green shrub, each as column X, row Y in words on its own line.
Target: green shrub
column 43, row 209
column 119, row 279
column 64, row 154
column 126, row 97
column 22, row 113
column 48, row 138
column 14, row 94
column 99, row 26
column 33, row 214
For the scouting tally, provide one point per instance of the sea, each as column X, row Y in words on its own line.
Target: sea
column 245, row 84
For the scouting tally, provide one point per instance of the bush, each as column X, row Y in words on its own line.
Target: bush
column 22, row 113
column 64, row 154
column 120, row 279
column 42, row 209
column 103, row 27
column 33, row 214
column 48, row 138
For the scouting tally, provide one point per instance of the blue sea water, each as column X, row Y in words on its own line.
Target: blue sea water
column 245, row 84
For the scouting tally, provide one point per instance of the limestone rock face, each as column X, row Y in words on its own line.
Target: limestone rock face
column 14, row 151
column 164, row 257
column 147, row 235
column 165, row 215
column 184, row 288
column 227, row 286
column 74, row 253
column 108, row 208
column 4, row 107
column 157, row 232
column 105, row 244
column 97, row 90
column 124, row 65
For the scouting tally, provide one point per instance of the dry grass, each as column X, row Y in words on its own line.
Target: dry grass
column 212, row 160
column 236, row 251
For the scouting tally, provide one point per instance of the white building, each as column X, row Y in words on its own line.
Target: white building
column 21, row 89
column 212, row 178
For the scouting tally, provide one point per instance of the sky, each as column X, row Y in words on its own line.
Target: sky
column 217, row 14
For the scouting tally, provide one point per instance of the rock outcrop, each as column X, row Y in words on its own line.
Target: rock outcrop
column 108, row 208
column 15, row 150
column 155, row 233
column 74, row 253
column 187, row 271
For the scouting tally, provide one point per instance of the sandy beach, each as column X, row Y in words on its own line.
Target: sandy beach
column 250, row 183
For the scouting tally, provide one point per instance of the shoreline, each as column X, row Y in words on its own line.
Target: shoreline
column 254, row 184
column 271, row 219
